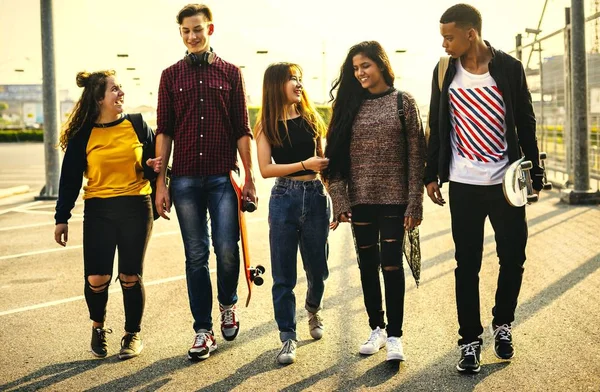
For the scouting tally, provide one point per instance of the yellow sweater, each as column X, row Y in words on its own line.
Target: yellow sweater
column 114, row 162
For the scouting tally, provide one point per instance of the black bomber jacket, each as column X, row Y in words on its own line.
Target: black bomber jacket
column 520, row 120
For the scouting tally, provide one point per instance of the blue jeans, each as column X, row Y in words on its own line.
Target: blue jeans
column 298, row 216
column 192, row 197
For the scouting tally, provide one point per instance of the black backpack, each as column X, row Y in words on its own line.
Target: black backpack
column 147, row 152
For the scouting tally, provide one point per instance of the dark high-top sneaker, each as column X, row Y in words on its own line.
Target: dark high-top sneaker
column 99, row 345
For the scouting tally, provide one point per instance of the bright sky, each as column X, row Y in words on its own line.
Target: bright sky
column 89, row 34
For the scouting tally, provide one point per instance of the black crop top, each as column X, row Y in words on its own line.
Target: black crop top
column 301, row 144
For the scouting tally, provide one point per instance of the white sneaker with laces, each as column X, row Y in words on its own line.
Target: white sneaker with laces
column 204, row 344
column 395, row 352
column 287, row 354
column 230, row 323
column 376, row 341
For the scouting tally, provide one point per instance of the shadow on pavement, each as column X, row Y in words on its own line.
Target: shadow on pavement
column 53, row 374
column 265, row 362
column 158, row 369
column 449, row 255
column 442, row 374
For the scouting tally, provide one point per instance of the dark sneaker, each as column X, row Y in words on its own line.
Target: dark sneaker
column 230, row 324
column 131, row 345
column 204, row 344
column 99, row 344
column 503, row 344
column 287, row 354
column 470, row 357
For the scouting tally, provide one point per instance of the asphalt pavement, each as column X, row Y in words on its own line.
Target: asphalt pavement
column 45, row 330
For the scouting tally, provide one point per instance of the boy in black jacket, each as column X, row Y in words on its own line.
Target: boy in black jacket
column 481, row 121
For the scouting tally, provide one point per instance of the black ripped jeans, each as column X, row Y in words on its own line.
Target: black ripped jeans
column 378, row 233
column 123, row 223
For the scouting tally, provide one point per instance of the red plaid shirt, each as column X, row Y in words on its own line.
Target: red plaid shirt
column 203, row 108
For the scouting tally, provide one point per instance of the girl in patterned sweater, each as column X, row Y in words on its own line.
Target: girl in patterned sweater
column 375, row 182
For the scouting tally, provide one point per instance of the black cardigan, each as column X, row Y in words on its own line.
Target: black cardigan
column 520, row 119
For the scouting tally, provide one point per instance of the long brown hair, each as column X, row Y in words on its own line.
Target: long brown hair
column 346, row 104
column 274, row 104
column 87, row 108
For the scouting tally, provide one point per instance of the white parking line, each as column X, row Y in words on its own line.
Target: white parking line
column 73, row 247
column 34, row 225
column 80, row 297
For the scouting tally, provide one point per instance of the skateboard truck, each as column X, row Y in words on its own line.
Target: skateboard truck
column 248, row 206
column 517, row 184
column 255, row 274
column 546, row 185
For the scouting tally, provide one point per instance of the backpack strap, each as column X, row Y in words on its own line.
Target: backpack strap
column 138, row 125
column 401, row 110
column 442, row 68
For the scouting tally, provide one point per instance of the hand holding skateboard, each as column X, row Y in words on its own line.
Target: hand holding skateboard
column 517, row 184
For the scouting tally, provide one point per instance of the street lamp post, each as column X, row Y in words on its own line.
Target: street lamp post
column 50, row 190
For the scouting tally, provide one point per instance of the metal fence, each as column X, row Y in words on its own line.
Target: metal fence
column 545, row 60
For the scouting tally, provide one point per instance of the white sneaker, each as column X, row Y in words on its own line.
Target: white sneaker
column 395, row 352
column 288, row 352
column 315, row 325
column 376, row 341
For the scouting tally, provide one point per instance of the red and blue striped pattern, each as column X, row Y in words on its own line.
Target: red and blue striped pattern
column 478, row 123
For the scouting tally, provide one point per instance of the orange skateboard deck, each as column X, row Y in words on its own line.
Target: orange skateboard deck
column 252, row 274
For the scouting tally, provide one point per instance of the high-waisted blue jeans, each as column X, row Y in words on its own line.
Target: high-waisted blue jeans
column 298, row 217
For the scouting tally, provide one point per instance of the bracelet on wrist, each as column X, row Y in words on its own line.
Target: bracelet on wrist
column 302, row 163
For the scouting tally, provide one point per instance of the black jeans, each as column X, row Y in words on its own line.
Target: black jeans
column 469, row 206
column 378, row 233
column 123, row 222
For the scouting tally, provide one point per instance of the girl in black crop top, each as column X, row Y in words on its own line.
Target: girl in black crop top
column 289, row 132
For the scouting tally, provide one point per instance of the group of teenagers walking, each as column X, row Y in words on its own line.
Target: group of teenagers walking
column 370, row 173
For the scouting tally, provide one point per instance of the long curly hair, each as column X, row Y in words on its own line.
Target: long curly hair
column 346, row 104
column 87, row 108
column 274, row 104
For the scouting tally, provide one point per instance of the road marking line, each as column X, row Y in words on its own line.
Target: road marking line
column 33, row 203
column 34, row 225
column 37, row 252
column 113, row 290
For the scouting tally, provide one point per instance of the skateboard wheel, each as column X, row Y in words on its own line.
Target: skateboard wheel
column 532, row 198
column 248, row 206
column 526, row 165
column 258, row 281
column 261, row 269
column 543, row 155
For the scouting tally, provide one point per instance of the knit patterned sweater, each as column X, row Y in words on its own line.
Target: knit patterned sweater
column 378, row 158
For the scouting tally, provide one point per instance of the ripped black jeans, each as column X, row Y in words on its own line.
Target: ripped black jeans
column 378, row 233
column 123, row 222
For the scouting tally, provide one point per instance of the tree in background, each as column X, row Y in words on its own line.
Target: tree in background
column 3, row 107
